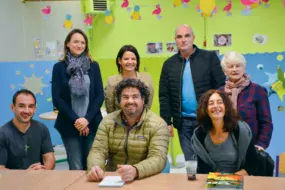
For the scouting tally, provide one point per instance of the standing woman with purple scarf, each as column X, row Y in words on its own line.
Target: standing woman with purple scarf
column 77, row 93
column 250, row 99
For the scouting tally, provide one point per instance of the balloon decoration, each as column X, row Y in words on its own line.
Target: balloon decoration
column 177, row 3
column 207, row 7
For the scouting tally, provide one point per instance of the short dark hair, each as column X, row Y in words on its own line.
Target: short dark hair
column 132, row 83
column 230, row 119
column 23, row 91
column 121, row 53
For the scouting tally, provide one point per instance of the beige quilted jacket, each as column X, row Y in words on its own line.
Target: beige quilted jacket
column 145, row 146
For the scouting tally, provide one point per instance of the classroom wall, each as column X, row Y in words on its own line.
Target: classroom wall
column 22, row 23
column 107, row 39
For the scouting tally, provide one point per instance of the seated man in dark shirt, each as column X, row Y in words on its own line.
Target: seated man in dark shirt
column 25, row 143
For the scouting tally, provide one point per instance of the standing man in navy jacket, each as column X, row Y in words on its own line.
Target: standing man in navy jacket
column 184, row 78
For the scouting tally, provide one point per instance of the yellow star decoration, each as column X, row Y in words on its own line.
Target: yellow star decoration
column 280, row 57
column 34, row 84
column 279, row 86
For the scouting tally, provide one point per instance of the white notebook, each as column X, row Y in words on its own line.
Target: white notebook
column 111, row 181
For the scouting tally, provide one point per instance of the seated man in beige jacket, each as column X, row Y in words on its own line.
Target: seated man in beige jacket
column 132, row 141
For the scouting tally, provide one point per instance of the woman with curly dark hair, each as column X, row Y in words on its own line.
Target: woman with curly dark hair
column 222, row 143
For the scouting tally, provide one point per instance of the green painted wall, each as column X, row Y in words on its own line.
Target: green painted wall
column 107, row 39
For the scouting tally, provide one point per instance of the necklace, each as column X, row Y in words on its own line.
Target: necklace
column 218, row 136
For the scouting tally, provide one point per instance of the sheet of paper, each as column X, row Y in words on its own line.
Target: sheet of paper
column 111, row 181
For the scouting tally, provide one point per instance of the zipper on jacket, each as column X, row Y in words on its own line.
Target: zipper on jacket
column 181, row 75
column 126, row 145
column 126, row 142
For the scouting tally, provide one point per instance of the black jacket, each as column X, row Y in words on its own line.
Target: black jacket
column 247, row 155
column 206, row 74
column 62, row 100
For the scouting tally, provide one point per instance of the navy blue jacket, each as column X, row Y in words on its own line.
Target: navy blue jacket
column 62, row 100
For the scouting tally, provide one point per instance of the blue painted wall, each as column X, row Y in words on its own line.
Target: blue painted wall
column 12, row 73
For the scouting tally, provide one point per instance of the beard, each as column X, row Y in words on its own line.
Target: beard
column 132, row 110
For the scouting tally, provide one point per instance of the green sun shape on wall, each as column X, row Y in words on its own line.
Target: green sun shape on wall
column 34, row 84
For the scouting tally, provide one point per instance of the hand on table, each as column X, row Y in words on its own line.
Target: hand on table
column 95, row 174
column 37, row 166
column 242, row 172
column 127, row 172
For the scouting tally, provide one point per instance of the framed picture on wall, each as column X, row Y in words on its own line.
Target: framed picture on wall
column 222, row 40
column 171, row 47
column 154, row 48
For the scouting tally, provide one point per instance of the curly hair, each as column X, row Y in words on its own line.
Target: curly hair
column 132, row 83
column 121, row 54
column 230, row 119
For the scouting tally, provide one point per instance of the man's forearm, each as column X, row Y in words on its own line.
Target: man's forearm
column 49, row 164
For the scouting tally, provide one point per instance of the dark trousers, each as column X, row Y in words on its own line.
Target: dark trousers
column 185, row 134
column 77, row 150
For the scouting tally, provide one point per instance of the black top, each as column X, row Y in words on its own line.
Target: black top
column 20, row 150
column 206, row 73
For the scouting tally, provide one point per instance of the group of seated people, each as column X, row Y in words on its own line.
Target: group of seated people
column 131, row 140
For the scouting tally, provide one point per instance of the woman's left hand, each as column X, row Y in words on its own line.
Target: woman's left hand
column 81, row 123
column 84, row 132
column 242, row 172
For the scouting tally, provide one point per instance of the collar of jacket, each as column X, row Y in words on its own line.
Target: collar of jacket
column 241, row 134
column 119, row 77
column 192, row 55
column 119, row 121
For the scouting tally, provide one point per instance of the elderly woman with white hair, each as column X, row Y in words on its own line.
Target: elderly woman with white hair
column 250, row 99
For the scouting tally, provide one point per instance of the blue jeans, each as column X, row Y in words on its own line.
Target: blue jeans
column 185, row 134
column 77, row 150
